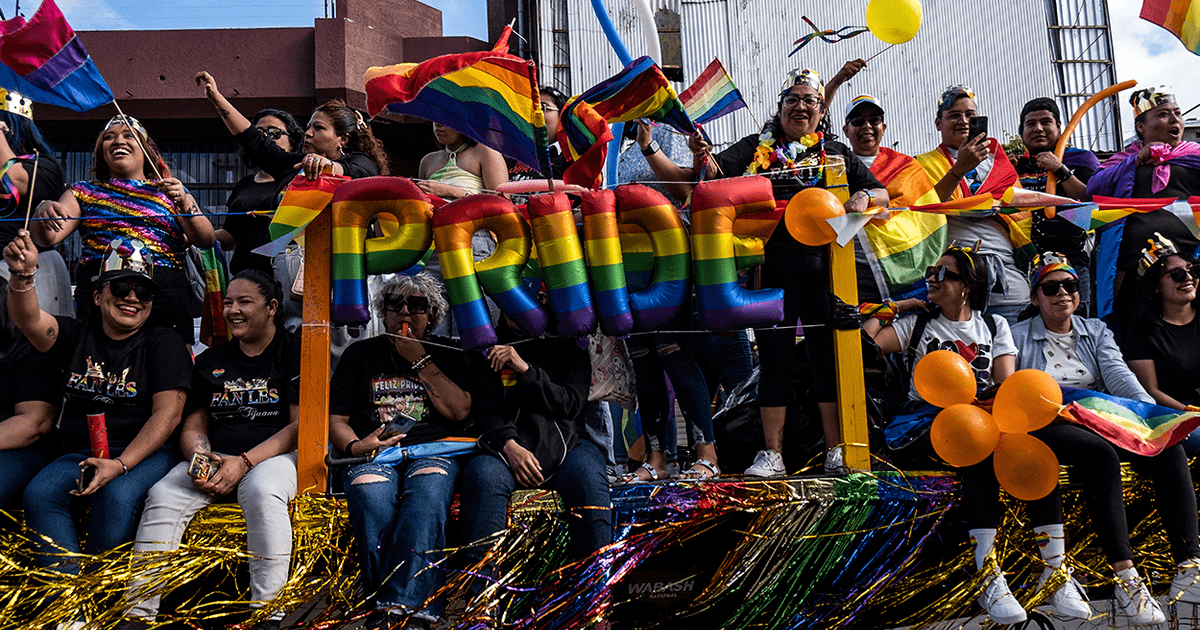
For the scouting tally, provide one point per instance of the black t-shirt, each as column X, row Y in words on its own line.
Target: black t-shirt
column 116, row 378
column 372, row 381
column 47, row 187
column 248, row 399
column 270, row 157
column 1175, row 351
column 251, row 230
column 1057, row 234
column 734, row 161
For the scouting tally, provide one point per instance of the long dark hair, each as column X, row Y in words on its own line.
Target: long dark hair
column 151, row 156
column 269, row 287
column 24, row 136
column 974, row 274
column 348, row 122
column 295, row 132
column 1149, row 303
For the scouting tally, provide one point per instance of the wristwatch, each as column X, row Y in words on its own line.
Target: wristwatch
column 651, row 149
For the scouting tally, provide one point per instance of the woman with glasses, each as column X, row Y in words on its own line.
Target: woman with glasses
column 792, row 150
column 461, row 167
column 126, row 380
column 133, row 196
column 255, row 196
column 401, row 388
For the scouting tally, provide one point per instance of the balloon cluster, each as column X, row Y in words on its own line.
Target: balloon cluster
column 965, row 434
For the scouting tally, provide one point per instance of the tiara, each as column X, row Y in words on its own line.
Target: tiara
column 14, row 103
column 130, row 121
column 806, row 76
column 953, row 93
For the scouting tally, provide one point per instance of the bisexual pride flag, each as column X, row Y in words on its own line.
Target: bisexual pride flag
column 44, row 60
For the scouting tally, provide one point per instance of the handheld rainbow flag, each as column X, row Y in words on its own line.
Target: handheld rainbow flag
column 489, row 96
column 712, row 94
column 44, row 60
column 296, row 211
column 828, row 36
column 1180, row 17
column 1137, row 427
column 639, row 91
column 584, row 135
column 216, row 280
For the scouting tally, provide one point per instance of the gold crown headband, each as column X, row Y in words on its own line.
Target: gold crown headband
column 806, row 76
column 1149, row 98
column 953, row 93
column 1160, row 247
column 14, row 103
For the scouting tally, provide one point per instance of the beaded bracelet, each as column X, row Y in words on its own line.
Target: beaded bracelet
column 32, row 283
column 249, row 464
column 420, row 364
column 24, row 274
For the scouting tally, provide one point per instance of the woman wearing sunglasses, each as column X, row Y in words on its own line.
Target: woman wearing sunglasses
column 255, row 196
column 400, row 388
column 125, row 377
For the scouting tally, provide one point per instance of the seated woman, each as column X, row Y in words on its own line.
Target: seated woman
column 127, row 200
column 461, row 167
column 31, row 393
column 1081, row 352
column 243, row 231
column 124, row 375
column 398, row 512
column 239, row 435
column 22, row 148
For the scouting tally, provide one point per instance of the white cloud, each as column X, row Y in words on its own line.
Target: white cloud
column 92, row 15
column 1149, row 54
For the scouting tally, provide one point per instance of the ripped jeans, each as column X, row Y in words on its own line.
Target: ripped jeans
column 398, row 516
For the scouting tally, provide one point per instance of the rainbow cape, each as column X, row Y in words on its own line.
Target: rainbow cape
column 489, row 96
column 899, row 250
column 1180, row 17
column 712, row 95
column 1137, row 427
column 44, row 60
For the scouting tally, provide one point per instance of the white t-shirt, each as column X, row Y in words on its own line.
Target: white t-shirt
column 993, row 240
column 867, row 159
column 970, row 339
column 1062, row 361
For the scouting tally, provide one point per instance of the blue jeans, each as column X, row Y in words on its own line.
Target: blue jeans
column 598, row 429
column 652, row 354
column 725, row 359
column 580, row 481
column 116, row 507
column 17, row 469
column 398, row 516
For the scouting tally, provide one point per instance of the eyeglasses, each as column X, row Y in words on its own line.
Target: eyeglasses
column 858, row 121
column 548, row 108
column 1180, row 275
column 957, row 116
column 810, row 100
column 940, row 274
column 273, row 133
column 1050, row 289
column 417, row 304
column 122, row 288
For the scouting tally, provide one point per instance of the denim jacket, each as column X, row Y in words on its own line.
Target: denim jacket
column 1097, row 350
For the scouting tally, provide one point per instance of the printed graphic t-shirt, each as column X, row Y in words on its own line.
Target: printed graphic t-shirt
column 116, row 378
column 970, row 339
column 248, row 399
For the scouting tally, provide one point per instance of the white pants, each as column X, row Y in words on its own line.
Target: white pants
column 263, row 494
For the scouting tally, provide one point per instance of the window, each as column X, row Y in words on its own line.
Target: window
column 671, row 43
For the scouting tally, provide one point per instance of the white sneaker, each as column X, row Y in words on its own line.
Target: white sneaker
column 998, row 601
column 767, row 463
column 1133, row 601
column 1186, row 585
column 835, row 461
column 75, row 624
column 1069, row 600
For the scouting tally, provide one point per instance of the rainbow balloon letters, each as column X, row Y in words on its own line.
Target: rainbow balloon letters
column 633, row 231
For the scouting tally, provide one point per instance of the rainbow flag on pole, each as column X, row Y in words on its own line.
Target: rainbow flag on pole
column 44, row 60
column 1181, row 17
column 712, row 95
column 489, row 96
column 639, row 91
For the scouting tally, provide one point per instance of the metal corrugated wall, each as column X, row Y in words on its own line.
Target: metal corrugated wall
column 1081, row 41
column 999, row 48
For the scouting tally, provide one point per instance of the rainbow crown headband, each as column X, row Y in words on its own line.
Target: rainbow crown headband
column 1160, row 247
column 1149, row 98
column 13, row 103
column 1047, row 263
column 806, row 76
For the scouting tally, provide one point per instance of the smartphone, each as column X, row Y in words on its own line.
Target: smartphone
column 978, row 125
column 86, row 474
column 202, row 467
column 399, row 423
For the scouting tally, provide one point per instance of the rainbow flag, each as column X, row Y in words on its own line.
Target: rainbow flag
column 489, row 96
column 302, row 201
column 639, row 91
column 216, row 279
column 712, row 95
column 899, row 249
column 583, row 135
column 1181, row 17
column 44, row 60
column 1137, row 427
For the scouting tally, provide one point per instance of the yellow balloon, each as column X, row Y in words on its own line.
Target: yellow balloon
column 894, row 21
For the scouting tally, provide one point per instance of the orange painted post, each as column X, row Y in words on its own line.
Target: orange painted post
column 314, row 357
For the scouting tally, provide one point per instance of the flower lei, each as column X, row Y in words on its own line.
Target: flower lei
column 768, row 154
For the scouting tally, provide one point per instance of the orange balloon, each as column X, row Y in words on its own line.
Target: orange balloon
column 943, row 378
column 1027, row 401
column 1025, row 467
column 964, row 435
column 806, row 215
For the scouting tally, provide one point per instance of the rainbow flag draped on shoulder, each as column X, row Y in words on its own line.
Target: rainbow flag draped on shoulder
column 900, row 248
column 1137, row 427
column 1180, row 17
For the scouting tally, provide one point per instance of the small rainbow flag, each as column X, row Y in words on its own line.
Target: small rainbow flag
column 584, row 135
column 1137, row 427
column 489, row 96
column 639, row 91
column 712, row 95
column 302, row 201
column 1181, row 17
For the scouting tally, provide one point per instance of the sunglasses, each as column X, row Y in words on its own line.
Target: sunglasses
column 1180, row 275
column 808, row 99
column 940, row 274
column 1050, row 289
column 858, row 121
column 273, row 133
column 122, row 288
column 417, row 304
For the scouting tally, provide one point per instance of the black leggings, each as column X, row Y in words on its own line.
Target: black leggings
column 804, row 278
